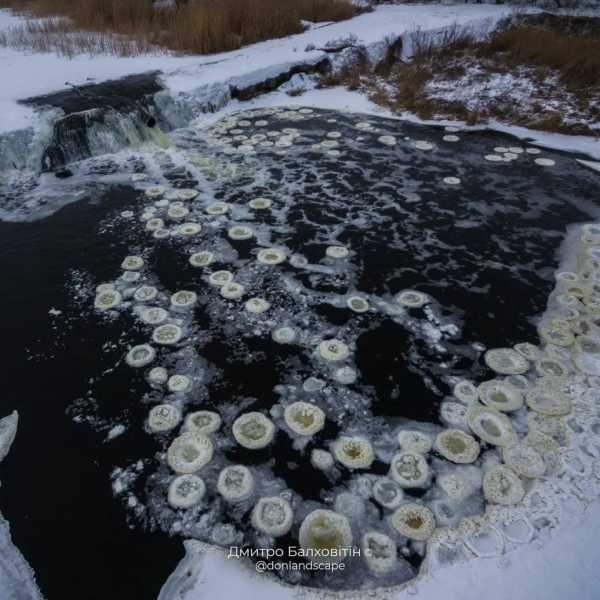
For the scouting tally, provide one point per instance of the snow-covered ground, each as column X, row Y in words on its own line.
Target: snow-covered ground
column 478, row 90
column 563, row 567
column 26, row 74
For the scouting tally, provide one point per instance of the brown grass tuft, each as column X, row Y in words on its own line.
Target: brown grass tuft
column 559, row 55
column 576, row 59
column 197, row 27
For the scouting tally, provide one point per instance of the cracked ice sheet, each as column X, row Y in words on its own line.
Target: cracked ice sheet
column 545, row 572
column 28, row 74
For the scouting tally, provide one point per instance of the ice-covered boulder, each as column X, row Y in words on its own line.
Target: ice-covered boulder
column 16, row 577
column 8, row 430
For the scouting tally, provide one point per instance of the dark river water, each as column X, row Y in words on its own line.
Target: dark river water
column 485, row 251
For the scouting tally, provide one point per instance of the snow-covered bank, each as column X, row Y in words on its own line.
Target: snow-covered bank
column 562, row 567
column 30, row 74
column 369, row 28
column 26, row 74
column 584, row 144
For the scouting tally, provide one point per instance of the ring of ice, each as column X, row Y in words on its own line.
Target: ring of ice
column 176, row 212
column 154, row 315
column 155, row 224
column 337, row 252
column 529, row 351
column 506, row 361
column 235, row 483
column 240, row 232
column 203, row 421
column 333, row 350
column 178, row 383
column 500, row 395
column 140, row 356
column 414, row 521
column 409, row 469
column 155, row 191
column 502, row 485
column 185, row 491
column 491, row 425
column 163, row 417
column 232, row 290
column 202, row 259
column 132, row 263
column 466, row 392
column 272, row 515
column 220, row 278
column 260, row 203
column 253, row 430
column 271, row 256
column 145, row 293
column 183, row 299
column 552, row 367
column 354, row 452
column 379, row 551
column 423, row 145
column 257, row 305
column 284, row 335
column 189, row 452
column 388, row 493
column 548, row 400
column 187, row 194
column 304, row 418
column 107, row 299
column 217, row 208
column 357, row 304
column 388, row 140
column 166, row 335
column 131, row 276
column 412, row 299
column 158, row 375
column 189, row 229
column 451, row 180
column 457, row 446
column 328, row 532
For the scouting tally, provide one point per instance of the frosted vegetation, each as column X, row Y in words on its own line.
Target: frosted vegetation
column 137, row 27
column 302, row 347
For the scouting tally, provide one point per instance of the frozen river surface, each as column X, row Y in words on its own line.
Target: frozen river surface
column 352, row 212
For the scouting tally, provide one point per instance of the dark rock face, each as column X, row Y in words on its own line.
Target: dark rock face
column 123, row 94
column 272, row 83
